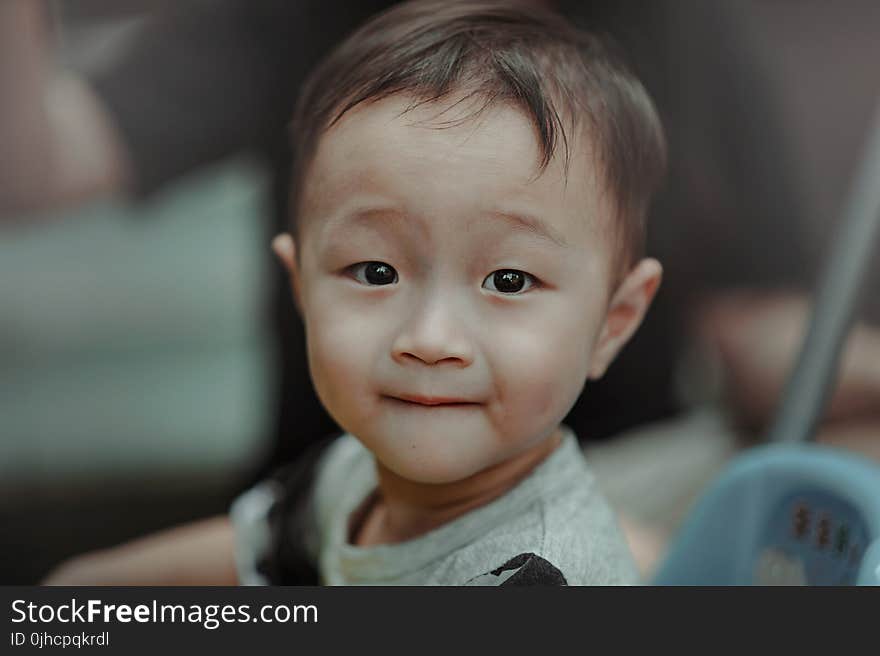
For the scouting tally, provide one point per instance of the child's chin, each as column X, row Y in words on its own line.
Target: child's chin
column 420, row 463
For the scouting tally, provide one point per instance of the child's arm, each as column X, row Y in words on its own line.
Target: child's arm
column 199, row 553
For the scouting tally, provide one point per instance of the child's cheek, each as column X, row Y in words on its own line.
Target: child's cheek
column 341, row 348
column 545, row 376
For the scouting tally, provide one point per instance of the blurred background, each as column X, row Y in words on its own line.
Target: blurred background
column 146, row 337
column 134, row 356
column 133, row 367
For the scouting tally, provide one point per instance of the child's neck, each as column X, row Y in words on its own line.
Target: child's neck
column 403, row 509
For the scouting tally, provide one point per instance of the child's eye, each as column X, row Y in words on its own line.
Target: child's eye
column 509, row 281
column 374, row 273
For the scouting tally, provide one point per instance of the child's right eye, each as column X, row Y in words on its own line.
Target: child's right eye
column 374, row 273
column 509, row 281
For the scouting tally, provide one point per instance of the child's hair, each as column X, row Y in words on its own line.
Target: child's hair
column 510, row 52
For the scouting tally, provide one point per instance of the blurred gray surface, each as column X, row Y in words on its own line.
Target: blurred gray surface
column 134, row 364
column 131, row 337
column 656, row 472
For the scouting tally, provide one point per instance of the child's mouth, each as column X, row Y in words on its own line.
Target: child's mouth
column 431, row 401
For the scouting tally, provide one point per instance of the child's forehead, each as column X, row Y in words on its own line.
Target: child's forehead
column 456, row 151
column 446, row 132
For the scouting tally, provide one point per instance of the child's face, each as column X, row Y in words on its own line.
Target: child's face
column 471, row 334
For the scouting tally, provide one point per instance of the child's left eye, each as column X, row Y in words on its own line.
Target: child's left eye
column 374, row 273
column 509, row 281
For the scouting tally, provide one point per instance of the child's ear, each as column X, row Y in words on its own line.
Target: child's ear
column 625, row 312
column 285, row 250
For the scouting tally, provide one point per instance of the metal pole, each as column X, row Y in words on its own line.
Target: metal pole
column 815, row 375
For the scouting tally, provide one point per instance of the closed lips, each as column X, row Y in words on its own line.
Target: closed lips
column 432, row 400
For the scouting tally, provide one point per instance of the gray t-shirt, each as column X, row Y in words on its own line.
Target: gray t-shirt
column 554, row 527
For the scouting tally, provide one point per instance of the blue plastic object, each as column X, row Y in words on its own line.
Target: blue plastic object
column 783, row 514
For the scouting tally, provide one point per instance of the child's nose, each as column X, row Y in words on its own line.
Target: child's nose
column 434, row 335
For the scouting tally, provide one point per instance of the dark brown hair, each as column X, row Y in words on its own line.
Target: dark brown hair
column 513, row 52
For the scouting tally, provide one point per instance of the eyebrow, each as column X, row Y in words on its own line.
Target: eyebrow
column 390, row 215
column 369, row 215
column 532, row 224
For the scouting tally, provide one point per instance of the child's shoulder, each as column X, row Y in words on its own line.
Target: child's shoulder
column 583, row 534
column 564, row 534
column 572, row 539
column 345, row 466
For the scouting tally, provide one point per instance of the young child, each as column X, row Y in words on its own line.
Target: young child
column 469, row 193
column 470, row 187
